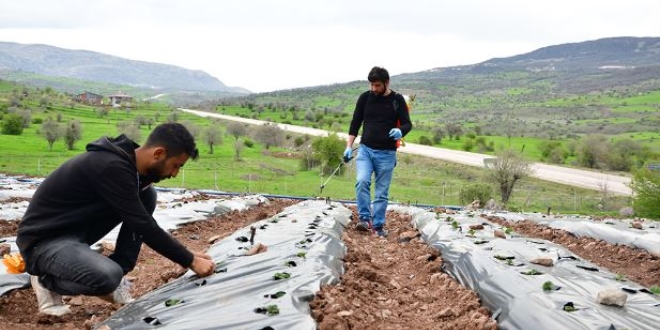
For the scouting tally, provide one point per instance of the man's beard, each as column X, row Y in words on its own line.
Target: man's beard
column 155, row 173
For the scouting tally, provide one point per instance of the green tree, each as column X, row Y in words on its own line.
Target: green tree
column 592, row 151
column 72, row 133
column 438, row 134
column 328, row 150
column 52, row 131
column 236, row 129
column 238, row 147
column 213, row 136
column 454, row 131
column 12, row 124
column 269, row 135
column 646, row 187
column 130, row 129
column 508, row 168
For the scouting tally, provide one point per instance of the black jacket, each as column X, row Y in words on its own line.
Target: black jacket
column 379, row 114
column 103, row 180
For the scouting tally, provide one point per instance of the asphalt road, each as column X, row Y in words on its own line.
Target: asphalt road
column 612, row 183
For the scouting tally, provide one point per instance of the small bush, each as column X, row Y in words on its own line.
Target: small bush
column 424, row 140
column 12, row 124
column 248, row 143
column 298, row 141
column 478, row 191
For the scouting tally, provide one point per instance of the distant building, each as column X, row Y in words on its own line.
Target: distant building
column 89, row 98
column 116, row 100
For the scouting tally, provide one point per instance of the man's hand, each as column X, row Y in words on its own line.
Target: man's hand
column 202, row 265
column 347, row 154
column 396, row 134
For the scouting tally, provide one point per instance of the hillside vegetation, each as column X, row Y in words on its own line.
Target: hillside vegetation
column 250, row 159
column 543, row 104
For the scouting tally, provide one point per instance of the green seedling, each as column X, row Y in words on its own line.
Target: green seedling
column 620, row 277
column 548, row 286
column 509, row 262
column 302, row 254
column 471, row 232
column 269, row 310
column 172, row 302
column 281, row 276
column 454, row 224
column 272, row 310
column 448, row 219
column 531, row 272
column 569, row 307
column 273, row 221
column 655, row 289
column 276, row 295
column 508, row 230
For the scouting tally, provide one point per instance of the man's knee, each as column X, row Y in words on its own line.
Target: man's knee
column 108, row 280
column 362, row 183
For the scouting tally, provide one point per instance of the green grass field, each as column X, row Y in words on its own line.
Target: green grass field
column 416, row 179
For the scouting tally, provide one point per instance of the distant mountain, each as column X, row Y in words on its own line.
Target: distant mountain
column 595, row 54
column 92, row 66
column 572, row 68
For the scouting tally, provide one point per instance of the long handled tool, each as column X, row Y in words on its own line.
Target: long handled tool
column 334, row 172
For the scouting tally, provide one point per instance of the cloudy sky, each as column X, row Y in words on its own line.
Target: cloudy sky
column 266, row 45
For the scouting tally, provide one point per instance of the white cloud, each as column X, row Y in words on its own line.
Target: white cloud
column 265, row 45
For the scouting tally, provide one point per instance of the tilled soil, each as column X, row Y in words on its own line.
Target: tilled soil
column 396, row 283
column 637, row 265
column 389, row 283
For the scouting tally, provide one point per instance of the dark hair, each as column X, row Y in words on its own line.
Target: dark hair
column 175, row 138
column 378, row 74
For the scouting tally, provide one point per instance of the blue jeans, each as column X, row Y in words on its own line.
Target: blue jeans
column 381, row 163
column 68, row 266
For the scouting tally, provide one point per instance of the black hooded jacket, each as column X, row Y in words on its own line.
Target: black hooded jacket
column 103, row 180
column 379, row 114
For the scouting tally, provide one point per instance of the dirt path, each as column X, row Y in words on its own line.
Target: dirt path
column 396, row 283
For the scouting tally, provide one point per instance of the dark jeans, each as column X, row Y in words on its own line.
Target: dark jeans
column 68, row 266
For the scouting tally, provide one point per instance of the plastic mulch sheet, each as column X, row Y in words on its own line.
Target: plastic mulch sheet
column 269, row 290
column 501, row 272
column 611, row 231
column 170, row 213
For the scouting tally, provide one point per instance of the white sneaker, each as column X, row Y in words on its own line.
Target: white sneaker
column 121, row 295
column 49, row 302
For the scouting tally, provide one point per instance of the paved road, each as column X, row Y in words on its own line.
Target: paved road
column 594, row 180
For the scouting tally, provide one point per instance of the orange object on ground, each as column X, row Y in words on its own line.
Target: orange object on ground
column 14, row 263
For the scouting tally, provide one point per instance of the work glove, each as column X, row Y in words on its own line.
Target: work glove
column 347, row 154
column 396, row 134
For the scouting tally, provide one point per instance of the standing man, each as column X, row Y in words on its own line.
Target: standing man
column 384, row 114
column 84, row 199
